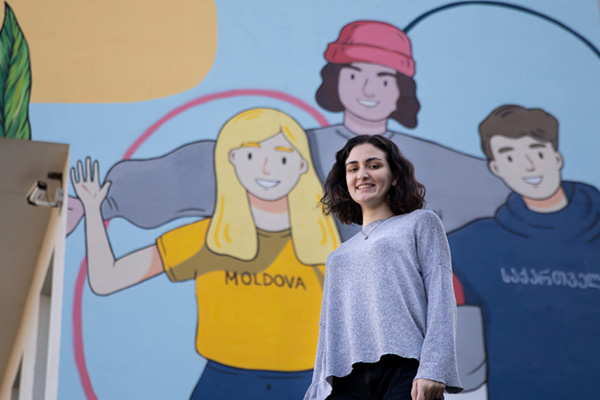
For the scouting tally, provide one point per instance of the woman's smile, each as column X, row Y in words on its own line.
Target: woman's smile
column 365, row 186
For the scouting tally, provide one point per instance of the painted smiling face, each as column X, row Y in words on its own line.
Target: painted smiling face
column 368, row 176
column 528, row 166
column 369, row 91
column 269, row 169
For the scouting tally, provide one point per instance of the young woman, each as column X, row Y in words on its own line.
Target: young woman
column 257, row 263
column 388, row 312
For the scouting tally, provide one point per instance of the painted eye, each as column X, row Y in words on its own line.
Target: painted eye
column 249, row 156
column 385, row 83
column 351, row 77
column 509, row 158
column 541, row 155
column 283, row 160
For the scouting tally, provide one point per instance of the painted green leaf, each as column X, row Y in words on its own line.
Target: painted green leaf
column 15, row 80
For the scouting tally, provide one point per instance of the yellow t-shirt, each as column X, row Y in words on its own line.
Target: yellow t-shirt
column 259, row 314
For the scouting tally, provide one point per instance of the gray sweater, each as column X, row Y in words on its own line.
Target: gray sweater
column 389, row 294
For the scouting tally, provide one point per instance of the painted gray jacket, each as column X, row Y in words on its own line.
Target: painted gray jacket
column 149, row 193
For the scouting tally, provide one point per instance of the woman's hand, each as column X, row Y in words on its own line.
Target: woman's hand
column 425, row 389
column 87, row 187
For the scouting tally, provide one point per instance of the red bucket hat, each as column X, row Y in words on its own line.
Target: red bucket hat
column 373, row 42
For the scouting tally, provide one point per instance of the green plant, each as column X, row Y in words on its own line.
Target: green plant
column 15, row 79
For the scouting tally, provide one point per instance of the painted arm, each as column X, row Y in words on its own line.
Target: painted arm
column 151, row 192
column 470, row 342
column 107, row 274
column 470, row 347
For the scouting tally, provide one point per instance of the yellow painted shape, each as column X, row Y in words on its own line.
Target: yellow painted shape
column 116, row 50
column 251, row 144
column 260, row 314
column 267, row 320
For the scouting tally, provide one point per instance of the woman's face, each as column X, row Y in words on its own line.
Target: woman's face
column 269, row 169
column 368, row 176
column 368, row 91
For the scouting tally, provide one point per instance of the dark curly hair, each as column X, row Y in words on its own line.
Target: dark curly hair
column 407, row 106
column 406, row 195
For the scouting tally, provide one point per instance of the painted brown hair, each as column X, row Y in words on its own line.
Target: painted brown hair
column 407, row 106
column 514, row 121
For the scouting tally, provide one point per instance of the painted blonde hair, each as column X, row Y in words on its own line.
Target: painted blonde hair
column 232, row 231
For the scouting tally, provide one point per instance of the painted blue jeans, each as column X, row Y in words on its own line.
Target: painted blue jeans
column 220, row 382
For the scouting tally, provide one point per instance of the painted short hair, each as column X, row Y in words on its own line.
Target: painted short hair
column 514, row 121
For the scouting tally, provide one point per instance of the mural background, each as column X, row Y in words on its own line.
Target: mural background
column 470, row 58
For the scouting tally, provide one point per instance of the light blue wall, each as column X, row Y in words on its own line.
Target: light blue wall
column 140, row 343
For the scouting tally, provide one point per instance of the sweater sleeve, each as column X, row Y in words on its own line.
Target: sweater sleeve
column 438, row 354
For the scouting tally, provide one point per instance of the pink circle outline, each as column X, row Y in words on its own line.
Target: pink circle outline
column 78, row 346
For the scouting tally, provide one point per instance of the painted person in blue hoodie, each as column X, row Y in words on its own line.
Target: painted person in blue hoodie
column 534, row 268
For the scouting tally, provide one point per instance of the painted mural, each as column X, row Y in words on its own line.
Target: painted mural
column 258, row 261
column 532, row 269
column 199, row 151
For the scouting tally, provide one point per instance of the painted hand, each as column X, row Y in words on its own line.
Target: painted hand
column 87, row 187
column 425, row 389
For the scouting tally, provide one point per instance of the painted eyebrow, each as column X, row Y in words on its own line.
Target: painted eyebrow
column 251, row 144
column 286, row 149
column 386, row 74
column 536, row 145
column 505, row 149
column 368, row 160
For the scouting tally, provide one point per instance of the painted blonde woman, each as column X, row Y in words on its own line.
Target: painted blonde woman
column 257, row 263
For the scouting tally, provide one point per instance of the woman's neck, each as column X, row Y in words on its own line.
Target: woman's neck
column 370, row 215
column 362, row 126
column 272, row 216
